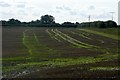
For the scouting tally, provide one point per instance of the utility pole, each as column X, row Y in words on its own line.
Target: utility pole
column 119, row 13
column 112, row 14
column 89, row 17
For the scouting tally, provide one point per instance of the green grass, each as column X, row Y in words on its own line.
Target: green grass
column 113, row 31
column 112, row 36
column 109, row 68
column 15, row 58
column 60, row 62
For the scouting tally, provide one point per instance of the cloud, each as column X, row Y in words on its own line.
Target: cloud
column 73, row 12
column 103, row 16
column 21, row 5
column 6, row 15
column 59, row 8
column 91, row 7
column 66, row 9
column 62, row 10
column 3, row 4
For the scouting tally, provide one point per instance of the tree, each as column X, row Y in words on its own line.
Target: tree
column 14, row 22
column 47, row 19
column 110, row 24
column 68, row 24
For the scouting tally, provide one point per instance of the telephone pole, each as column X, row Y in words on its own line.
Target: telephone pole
column 119, row 13
column 89, row 17
column 112, row 13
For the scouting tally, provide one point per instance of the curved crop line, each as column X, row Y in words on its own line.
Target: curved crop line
column 36, row 38
column 70, row 41
column 26, row 42
column 33, row 45
column 82, row 35
column 80, row 44
column 49, row 33
column 75, row 41
column 56, row 35
column 53, row 35
column 99, row 33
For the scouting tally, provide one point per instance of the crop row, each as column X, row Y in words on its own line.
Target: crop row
column 102, row 42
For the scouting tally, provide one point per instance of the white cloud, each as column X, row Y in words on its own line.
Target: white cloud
column 21, row 5
column 62, row 10
column 91, row 7
column 3, row 4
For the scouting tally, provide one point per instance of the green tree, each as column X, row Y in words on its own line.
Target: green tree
column 14, row 22
column 47, row 19
column 110, row 24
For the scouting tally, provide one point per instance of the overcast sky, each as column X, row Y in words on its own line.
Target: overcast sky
column 62, row 10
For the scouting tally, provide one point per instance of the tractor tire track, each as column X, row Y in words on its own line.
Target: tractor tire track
column 78, row 43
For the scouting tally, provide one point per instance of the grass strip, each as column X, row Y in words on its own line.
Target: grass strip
column 109, row 68
column 101, row 34
column 61, row 62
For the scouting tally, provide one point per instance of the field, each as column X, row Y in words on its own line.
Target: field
column 30, row 52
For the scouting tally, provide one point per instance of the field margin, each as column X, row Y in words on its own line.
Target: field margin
column 101, row 34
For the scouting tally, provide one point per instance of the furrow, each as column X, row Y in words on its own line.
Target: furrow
column 52, row 35
column 74, row 41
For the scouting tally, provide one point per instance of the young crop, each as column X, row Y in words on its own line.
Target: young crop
column 101, row 34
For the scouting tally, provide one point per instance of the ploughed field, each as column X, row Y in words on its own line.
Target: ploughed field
column 60, row 53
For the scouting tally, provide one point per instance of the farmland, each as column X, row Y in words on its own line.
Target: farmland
column 31, row 52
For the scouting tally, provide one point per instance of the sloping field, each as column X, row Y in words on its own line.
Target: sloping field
column 59, row 53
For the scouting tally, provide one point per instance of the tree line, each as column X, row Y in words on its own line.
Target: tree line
column 49, row 21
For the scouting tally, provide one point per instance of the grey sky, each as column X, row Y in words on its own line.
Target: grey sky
column 62, row 10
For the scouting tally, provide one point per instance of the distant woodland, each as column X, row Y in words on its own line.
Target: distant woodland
column 49, row 21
